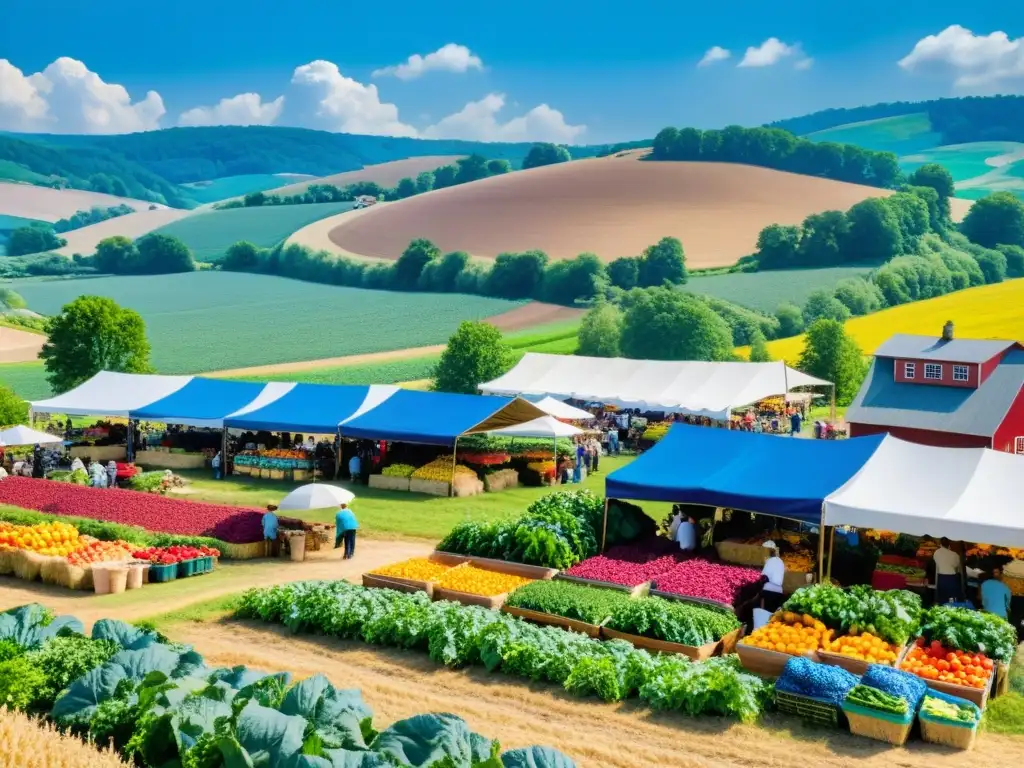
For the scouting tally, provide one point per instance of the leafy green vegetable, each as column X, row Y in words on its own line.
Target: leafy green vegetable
column 21, row 681
column 947, row 709
column 672, row 621
column 894, row 615
column 971, row 631
column 563, row 598
column 64, row 660
column 31, row 625
column 872, row 698
column 535, row 757
column 717, row 686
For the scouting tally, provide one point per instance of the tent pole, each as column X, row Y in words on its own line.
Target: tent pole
column 831, row 546
column 821, row 546
column 604, row 527
column 832, row 410
column 455, row 451
column 224, row 453
column 129, row 442
column 337, row 455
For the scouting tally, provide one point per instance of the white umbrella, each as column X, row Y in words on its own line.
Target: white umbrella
column 562, row 410
column 315, row 496
column 26, row 436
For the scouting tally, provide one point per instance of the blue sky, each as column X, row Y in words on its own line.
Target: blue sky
column 608, row 71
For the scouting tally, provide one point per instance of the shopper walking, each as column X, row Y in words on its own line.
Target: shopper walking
column 345, row 527
column 270, row 525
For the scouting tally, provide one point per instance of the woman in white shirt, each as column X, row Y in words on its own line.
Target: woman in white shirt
column 774, row 571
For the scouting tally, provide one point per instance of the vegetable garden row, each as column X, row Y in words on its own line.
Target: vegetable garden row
column 161, row 705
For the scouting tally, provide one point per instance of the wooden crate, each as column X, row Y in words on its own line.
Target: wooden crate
column 695, row 600
column 854, row 666
column 386, row 483
column 638, row 591
column 550, row 619
column 398, row 584
column 764, row 662
column 301, row 475
column 466, row 598
column 447, row 558
column 429, row 487
column 242, row 469
column 698, row 653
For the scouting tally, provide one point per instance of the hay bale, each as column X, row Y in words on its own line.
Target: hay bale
column 52, row 571
column 27, row 565
column 6, row 561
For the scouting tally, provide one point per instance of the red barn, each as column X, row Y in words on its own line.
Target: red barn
column 958, row 393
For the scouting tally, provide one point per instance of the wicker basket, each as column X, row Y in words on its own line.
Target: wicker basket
column 817, row 711
column 947, row 732
column 243, row 469
column 880, row 726
column 277, row 474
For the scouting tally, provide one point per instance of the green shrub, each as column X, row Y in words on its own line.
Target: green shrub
column 21, row 680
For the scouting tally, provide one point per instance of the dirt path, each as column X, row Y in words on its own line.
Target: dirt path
column 228, row 579
column 527, row 316
column 397, row 684
column 19, row 346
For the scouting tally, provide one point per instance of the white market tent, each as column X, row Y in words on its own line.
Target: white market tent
column 562, row 410
column 693, row 387
column 545, row 426
column 965, row 494
column 112, row 394
column 26, row 436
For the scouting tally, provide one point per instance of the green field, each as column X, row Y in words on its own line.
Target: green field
column 27, row 379
column 210, row 233
column 902, row 135
column 11, row 171
column 764, row 291
column 235, row 186
column 208, row 321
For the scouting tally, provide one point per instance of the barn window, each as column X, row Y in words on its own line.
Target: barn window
column 908, row 370
column 1018, row 445
column 960, row 373
column 933, row 371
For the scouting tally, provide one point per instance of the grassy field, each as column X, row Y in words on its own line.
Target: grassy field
column 206, row 321
column 902, row 135
column 11, row 171
column 28, row 380
column 963, row 161
column 235, row 186
column 766, row 290
column 210, row 233
column 986, row 312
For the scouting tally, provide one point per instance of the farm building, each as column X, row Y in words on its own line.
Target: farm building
column 958, row 393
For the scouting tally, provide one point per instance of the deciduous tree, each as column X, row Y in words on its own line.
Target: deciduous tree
column 830, row 354
column 666, row 324
column 13, row 410
column 997, row 219
column 600, row 331
column 475, row 353
column 545, row 154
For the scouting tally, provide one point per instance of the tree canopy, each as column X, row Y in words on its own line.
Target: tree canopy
column 665, row 324
column 830, row 354
column 93, row 334
column 545, row 154
column 997, row 219
column 600, row 331
column 13, row 410
column 475, row 353
column 33, row 239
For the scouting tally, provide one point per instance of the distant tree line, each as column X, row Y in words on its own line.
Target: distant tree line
column 958, row 121
column 35, row 238
column 464, row 170
column 92, row 216
column 779, row 149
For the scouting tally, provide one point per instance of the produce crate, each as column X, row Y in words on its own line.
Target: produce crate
column 398, row 584
column 551, row 619
column 638, row 591
column 387, row 483
column 248, row 551
column 467, row 598
column 697, row 653
column 535, row 572
column 766, row 663
column 243, row 469
column 187, row 568
column 977, row 696
column 794, row 580
column 880, row 726
column 300, row 475
column 855, row 666
column 809, row 708
column 447, row 558
column 278, row 474
column 947, row 732
column 694, row 600
column 161, row 573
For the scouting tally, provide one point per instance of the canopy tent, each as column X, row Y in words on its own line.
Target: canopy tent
column 201, row 403
column 112, row 394
column 311, row 408
column 781, row 476
column 438, row 418
column 26, row 436
column 545, row 426
column 693, row 387
column 965, row 494
column 562, row 410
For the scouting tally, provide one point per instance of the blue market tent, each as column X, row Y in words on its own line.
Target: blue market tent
column 200, row 403
column 438, row 418
column 311, row 409
column 766, row 474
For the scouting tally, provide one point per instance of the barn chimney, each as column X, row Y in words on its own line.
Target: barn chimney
column 947, row 331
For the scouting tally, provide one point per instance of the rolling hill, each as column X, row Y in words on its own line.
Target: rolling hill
column 132, row 226
column 611, row 206
column 46, row 204
column 986, row 312
column 385, row 174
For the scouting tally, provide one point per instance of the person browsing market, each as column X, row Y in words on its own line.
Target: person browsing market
column 345, row 527
column 773, row 573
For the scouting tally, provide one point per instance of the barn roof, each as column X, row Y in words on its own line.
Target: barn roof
column 905, row 345
column 882, row 401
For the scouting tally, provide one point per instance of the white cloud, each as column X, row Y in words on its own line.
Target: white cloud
column 714, row 54
column 770, row 52
column 321, row 97
column 448, row 58
column 804, row 63
column 67, row 97
column 478, row 121
column 977, row 61
column 243, row 109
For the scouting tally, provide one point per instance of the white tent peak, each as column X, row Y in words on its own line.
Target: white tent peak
column 695, row 387
column 26, row 436
column 562, row 410
column 545, row 426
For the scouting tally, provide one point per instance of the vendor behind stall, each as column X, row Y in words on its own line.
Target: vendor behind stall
column 995, row 595
column 773, row 573
column 686, row 534
column 947, row 573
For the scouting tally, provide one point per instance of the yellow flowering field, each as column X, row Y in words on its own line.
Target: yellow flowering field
column 986, row 312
